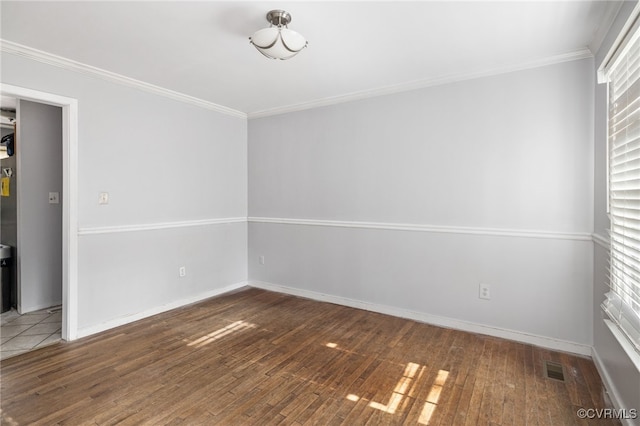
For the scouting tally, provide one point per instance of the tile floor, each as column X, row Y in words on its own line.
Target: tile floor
column 22, row 333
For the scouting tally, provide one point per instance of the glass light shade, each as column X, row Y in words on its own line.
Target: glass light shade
column 278, row 42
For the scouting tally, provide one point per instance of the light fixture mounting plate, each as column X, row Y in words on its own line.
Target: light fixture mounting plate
column 279, row 17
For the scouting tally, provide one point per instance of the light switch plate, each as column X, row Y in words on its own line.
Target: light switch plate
column 54, row 198
column 103, row 198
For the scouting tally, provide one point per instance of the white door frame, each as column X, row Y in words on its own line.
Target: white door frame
column 69, row 199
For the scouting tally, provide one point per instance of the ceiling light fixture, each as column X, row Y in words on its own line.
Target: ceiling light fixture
column 278, row 41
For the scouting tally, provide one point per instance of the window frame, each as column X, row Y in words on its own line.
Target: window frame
column 625, row 40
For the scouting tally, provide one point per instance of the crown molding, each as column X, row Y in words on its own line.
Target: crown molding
column 422, row 84
column 12, row 48
column 69, row 64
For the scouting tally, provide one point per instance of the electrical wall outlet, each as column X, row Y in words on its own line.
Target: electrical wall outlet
column 182, row 271
column 261, row 260
column 485, row 291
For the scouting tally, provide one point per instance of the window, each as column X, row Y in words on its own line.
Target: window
column 622, row 71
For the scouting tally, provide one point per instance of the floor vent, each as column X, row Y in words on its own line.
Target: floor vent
column 553, row 370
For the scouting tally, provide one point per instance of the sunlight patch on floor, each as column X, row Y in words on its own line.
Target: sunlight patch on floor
column 220, row 333
column 7, row 419
column 404, row 388
column 433, row 397
column 399, row 391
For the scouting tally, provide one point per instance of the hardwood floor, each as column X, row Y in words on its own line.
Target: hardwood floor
column 257, row 357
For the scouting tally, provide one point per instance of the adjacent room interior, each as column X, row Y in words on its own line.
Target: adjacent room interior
column 406, row 220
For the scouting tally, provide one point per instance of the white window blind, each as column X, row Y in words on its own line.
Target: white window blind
column 622, row 302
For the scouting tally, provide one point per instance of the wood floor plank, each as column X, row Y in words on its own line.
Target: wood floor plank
column 258, row 357
column 478, row 395
column 499, row 365
column 456, row 363
column 304, row 415
column 431, row 380
column 513, row 402
column 489, row 391
column 322, row 415
column 465, row 380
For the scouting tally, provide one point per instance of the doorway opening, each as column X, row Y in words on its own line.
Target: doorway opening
column 30, row 225
column 68, row 310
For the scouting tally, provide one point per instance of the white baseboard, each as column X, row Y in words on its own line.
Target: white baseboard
column 542, row 341
column 546, row 342
column 609, row 385
column 87, row 331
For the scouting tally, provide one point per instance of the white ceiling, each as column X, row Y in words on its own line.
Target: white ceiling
column 202, row 48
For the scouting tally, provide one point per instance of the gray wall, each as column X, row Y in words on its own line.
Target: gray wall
column 166, row 165
column 39, row 171
column 623, row 378
column 512, row 152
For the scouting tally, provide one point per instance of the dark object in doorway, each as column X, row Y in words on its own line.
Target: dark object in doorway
column 6, row 291
column 8, row 141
